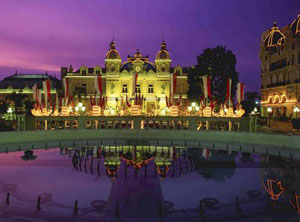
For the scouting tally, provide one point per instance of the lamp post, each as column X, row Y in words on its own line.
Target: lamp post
column 193, row 109
column 296, row 110
column 80, row 108
column 254, row 112
column 269, row 110
column 9, row 112
column 111, row 111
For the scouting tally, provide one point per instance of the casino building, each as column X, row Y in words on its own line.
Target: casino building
column 280, row 70
column 153, row 84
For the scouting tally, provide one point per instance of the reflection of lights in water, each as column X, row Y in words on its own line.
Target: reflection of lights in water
column 270, row 189
column 296, row 203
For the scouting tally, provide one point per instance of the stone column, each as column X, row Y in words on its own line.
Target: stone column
column 192, row 123
column 207, row 124
column 137, row 123
column 81, row 122
column 229, row 126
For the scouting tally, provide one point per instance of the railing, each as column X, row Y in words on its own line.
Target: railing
column 278, row 84
column 142, row 123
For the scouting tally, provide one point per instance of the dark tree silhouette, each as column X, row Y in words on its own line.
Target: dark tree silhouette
column 219, row 167
column 249, row 102
column 3, row 107
column 19, row 99
column 219, row 63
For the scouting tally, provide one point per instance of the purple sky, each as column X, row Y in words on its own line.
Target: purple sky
column 44, row 35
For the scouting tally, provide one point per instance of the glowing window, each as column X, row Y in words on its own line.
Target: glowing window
column 150, row 88
column 138, row 89
column 124, row 88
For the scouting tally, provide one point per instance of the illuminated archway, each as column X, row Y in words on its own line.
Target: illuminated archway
column 270, row 99
column 283, row 98
column 276, row 99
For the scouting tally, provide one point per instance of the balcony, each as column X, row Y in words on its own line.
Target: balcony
column 283, row 83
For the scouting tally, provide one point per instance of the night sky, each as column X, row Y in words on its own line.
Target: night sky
column 40, row 35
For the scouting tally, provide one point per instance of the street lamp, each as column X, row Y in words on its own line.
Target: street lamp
column 111, row 111
column 80, row 108
column 9, row 112
column 296, row 110
column 269, row 110
column 193, row 109
column 254, row 112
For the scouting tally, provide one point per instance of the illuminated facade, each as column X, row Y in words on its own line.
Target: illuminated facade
column 23, row 83
column 152, row 86
column 280, row 70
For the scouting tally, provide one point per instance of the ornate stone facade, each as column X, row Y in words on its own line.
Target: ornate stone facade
column 153, row 81
column 280, row 69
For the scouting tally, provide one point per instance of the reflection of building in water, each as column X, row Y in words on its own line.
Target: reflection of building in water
column 128, row 158
column 112, row 162
column 135, row 172
column 281, row 169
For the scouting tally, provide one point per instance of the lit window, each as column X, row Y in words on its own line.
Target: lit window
column 83, row 88
column 138, row 89
column 124, row 88
column 150, row 88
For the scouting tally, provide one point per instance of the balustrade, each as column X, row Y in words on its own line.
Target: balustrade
column 142, row 123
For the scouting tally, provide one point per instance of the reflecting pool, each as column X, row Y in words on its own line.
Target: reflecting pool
column 147, row 183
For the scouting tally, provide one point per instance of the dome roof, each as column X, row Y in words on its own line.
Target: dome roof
column 137, row 54
column 295, row 26
column 275, row 37
column 163, row 53
column 112, row 53
column 129, row 66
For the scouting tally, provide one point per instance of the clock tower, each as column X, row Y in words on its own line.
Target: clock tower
column 112, row 59
column 163, row 60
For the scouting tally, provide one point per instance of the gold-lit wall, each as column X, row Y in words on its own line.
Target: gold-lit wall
column 280, row 71
column 117, row 79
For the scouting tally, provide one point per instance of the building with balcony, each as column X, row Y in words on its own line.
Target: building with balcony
column 280, row 69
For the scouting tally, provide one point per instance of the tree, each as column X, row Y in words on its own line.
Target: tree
column 219, row 167
column 3, row 107
column 250, row 102
column 219, row 63
column 19, row 99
